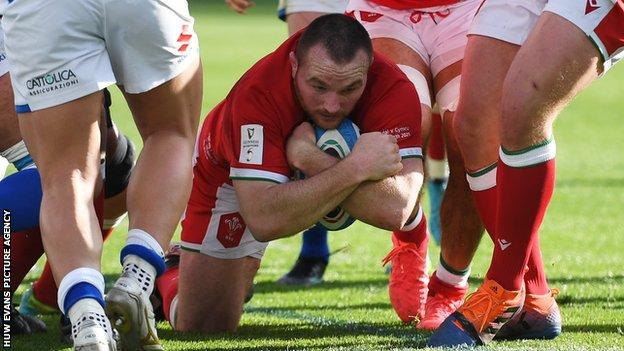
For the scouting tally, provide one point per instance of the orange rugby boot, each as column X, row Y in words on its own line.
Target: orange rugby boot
column 539, row 318
column 481, row 316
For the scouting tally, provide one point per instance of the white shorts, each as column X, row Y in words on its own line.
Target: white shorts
column 287, row 7
column 437, row 34
column 62, row 50
column 213, row 226
column 513, row 20
column 4, row 63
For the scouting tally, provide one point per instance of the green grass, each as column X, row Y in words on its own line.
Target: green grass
column 582, row 237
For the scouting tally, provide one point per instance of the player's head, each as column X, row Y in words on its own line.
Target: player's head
column 330, row 66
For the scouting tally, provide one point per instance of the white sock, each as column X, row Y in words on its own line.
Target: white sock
column 143, row 238
column 78, row 275
column 141, row 271
column 451, row 278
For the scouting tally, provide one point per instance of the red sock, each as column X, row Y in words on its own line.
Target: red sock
column 486, row 206
column 535, row 278
column 417, row 235
column 26, row 248
column 45, row 288
column 167, row 285
column 435, row 148
column 523, row 197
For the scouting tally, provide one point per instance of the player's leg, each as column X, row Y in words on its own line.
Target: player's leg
column 444, row 37
column 299, row 20
column 219, row 260
column 164, row 96
column 461, row 225
column 9, row 133
column 407, row 287
column 437, row 174
column 527, row 120
column 40, row 298
column 476, row 124
column 68, row 187
column 212, row 291
column 57, row 96
column 26, row 248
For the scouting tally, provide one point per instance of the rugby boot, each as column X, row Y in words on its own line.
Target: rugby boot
column 408, row 279
column 481, row 316
column 539, row 318
column 93, row 332
column 25, row 324
column 442, row 300
column 129, row 309
column 65, row 329
column 307, row 271
column 30, row 305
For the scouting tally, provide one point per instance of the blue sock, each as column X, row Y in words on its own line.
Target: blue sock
column 315, row 243
column 80, row 291
column 21, row 194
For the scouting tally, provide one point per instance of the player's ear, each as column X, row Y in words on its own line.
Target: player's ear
column 293, row 63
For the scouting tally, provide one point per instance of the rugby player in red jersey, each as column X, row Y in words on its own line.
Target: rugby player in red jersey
column 242, row 195
column 525, row 61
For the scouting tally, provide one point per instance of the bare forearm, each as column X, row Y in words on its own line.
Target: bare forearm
column 285, row 209
column 387, row 203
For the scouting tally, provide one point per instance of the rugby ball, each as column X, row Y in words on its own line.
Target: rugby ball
column 337, row 142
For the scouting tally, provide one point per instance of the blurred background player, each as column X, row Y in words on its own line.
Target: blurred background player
column 164, row 95
column 516, row 83
column 427, row 38
column 226, row 229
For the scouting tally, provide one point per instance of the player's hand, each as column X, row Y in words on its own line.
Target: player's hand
column 300, row 145
column 239, row 6
column 376, row 156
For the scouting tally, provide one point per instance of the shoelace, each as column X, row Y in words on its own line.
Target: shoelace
column 482, row 315
column 398, row 250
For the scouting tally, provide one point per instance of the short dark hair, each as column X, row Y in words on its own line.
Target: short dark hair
column 342, row 36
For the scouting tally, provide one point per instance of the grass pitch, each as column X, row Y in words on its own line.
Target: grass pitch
column 582, row 237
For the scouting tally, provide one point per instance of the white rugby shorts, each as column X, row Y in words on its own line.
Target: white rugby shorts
column 438, row 34
column 62, row 50
column 287, row 7
column 216, row 228
column 513, row 20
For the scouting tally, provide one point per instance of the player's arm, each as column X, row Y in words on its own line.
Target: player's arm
column 274, row 211
column 388, row 203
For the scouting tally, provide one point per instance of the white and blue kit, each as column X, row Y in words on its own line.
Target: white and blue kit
column 62, row 50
